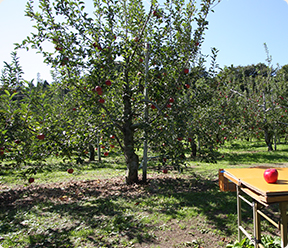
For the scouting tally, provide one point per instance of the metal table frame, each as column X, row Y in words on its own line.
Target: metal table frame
column 257, row 213
column 259, row 201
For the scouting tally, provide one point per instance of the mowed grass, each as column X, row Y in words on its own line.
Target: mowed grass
column 94, row 208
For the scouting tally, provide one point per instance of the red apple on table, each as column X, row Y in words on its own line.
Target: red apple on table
column 70, row 171
column 271, row 175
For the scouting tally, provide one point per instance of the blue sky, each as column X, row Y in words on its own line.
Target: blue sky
column 237, row 28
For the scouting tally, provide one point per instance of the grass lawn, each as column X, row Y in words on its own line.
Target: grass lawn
column 94, row 208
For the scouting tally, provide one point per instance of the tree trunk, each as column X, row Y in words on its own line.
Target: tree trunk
column 268, row 138
column 193, row 148
column 92, row 153
column 131, row 158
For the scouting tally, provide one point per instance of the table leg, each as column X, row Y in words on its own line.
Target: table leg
column 239, row 219
column 257, row 224
column 283, row 224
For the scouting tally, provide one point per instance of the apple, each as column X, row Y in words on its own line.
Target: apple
column 70, row 171
column 98, row 88
column 165, row 171
column 187, row 86
column 189, row 139
column 186, row 70
column 74, row 109
column 59, row 48
column 31, row 180
column 106, row 154
column 136, row 39
column 112, row 136
column 17, row 141
column 153, row 106
column 101, row 100
column 168, row 105
column 108, row 82
column 41, row 136
column 164, row 160
column 179, row 138
column 271, row 175
column 140, row 60
column 171, row 100
column 112, row 146
column 99, row 93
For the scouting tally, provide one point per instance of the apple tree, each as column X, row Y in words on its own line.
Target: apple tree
column 101, row 61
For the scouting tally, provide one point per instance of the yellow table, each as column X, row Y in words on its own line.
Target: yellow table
column 250, row 181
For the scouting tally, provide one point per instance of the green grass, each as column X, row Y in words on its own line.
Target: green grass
column 77, row 214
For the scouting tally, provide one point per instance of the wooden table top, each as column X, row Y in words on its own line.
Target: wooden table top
column 253, row 179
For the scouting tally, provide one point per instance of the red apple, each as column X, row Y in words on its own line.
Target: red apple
column 17, row 141
column 153, row 106
column 106, row 154
column 171, row 100
column 112, row 136
column 59, row 48
column 101, row 100
column 186, row 70
column 189, row 139
column 108, row 82
column 41, row 136
column 165, row 171
column 271, row 175
column 168, row 105
column 179, row 138
column 140, row 60
column 98, row 88
column 187, row 86
column 74, row 109
column 112, row 146
column 31, row 180
column 70, row 171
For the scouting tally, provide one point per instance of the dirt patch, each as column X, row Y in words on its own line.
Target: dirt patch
column 193, row 232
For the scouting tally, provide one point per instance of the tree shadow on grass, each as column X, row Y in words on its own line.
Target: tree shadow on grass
column 107, row 212
column 92, row 211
